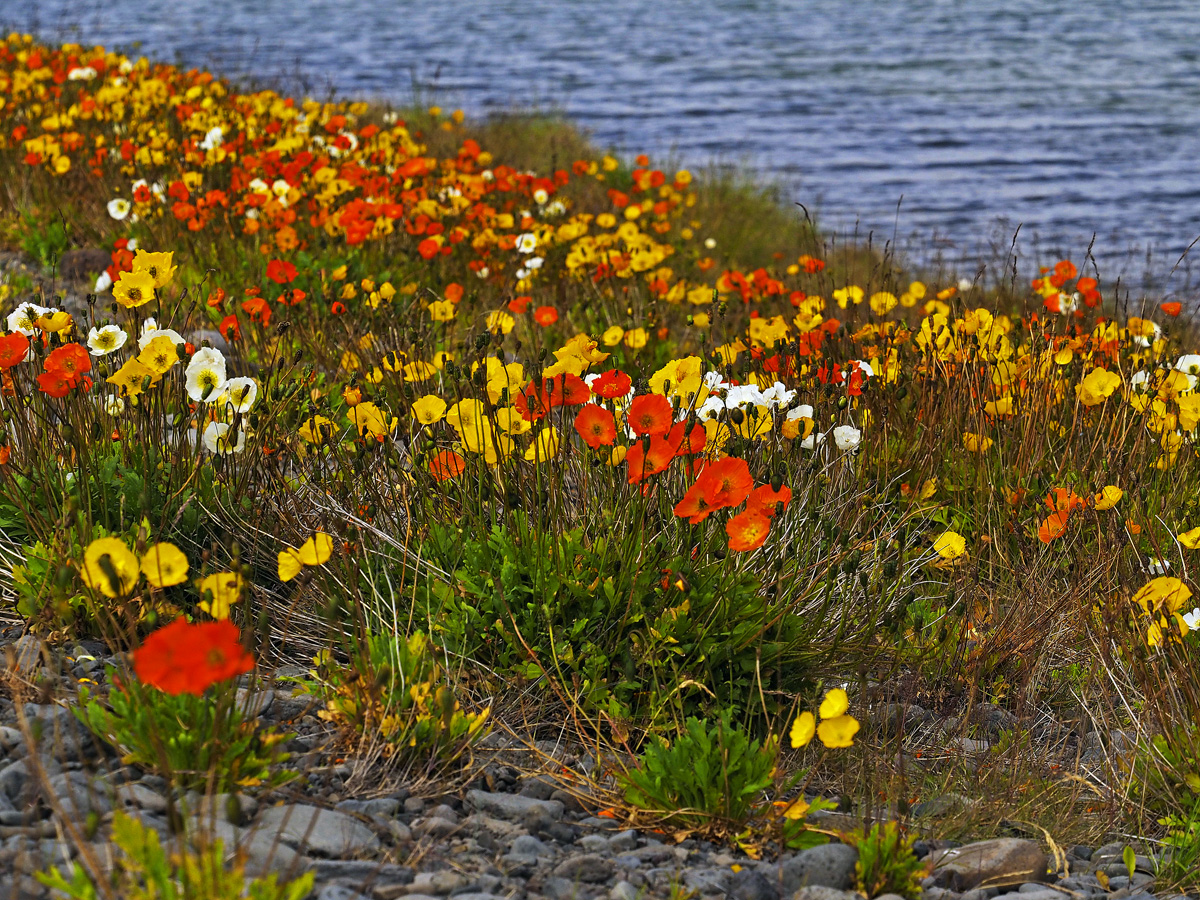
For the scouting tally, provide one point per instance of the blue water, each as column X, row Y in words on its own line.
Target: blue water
column 1067, row 118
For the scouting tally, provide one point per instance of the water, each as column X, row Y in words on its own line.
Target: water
column 1070, row 119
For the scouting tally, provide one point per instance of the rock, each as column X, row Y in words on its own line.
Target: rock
column 435, row 827
column 708, row 880
column 338, row 892
column 623, row 890
column 25, row 654
column 437, row 883
column 324, row 832
column 83, row 263
column 623, row 841
column 512, row 806
column 994, row 863
column 820, row 892
column 383, row 806
column 539, row 787
column 136, row 794
column 78, row 794
column 941, row 805
column 217, row 341
column 751, row 884
column 588, row 868
column 829, row 865
column 252, row 703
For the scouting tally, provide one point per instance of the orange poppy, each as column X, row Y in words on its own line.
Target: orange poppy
column 765, row 499
column 612, row 384
column 694, row 506
column 727, row 482
column 1064, row 500
column 747, row 530
column 644, row 461
column 446, row 465
column 532, row 403
column 70, row 359
column 56, row 383
column 1053, row 526
column 1172, row 308
column 566, row 390
column 186, row 659
column 596, row 426
column 518, row 305
column 13, row 349
column 650, row 414
column 545, row 315
column 280, row 272
column 685, row 441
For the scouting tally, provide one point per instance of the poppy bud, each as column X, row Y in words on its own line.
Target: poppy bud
column 776, row 482
column 737, row 416
column 843, row 402
column 901, row 393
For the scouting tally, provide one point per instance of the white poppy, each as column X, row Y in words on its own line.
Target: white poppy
column 24, row 318
column 106, row 339
column 847, row 437
column 150, row 331
column 119, row 207
column 240, row 393
column 103, row 283
column 206, row 374
column 527, row 242
column 217, row 439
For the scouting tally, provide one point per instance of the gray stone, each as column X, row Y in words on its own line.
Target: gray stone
column 83, row 262
column 324, row 832
column 999, row 862
column 384, row 806
column 539, row 787
column 137, row 794
column 751, row 884
column 25, row 654
column 622, row 841
column 438, row 883
column 980, row 894
column 1045, row 893
column 559, row 888
column 338, row 892
column 940, row 806
column 434, row 827
column 829, row 865
column 593, row 843
column 708, row 880
column 528, row 845
column 623, row 890
column 588, row 867
column 820, row 892
column 78, row 795
column 512, row 806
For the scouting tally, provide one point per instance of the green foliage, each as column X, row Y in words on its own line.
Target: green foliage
column 145, row 871
column 886, row 862
column 395, row 689
column 197, row 742
column 1179, row 864
column 625, row 626
column 712, row 770
column 43, row 235
column 1165, row 771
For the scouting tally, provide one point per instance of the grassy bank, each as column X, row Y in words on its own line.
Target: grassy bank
column 490, row 427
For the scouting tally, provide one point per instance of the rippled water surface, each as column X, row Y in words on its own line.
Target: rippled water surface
column 1068, row 118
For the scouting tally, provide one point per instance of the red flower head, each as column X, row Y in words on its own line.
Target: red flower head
column 532, row 403
column 13, row 349
column 747, row 530
column 612, row 384
column 726, row 482
column 187, row 659
column 70, row 359
column 650, row 414
column 518, row 305
column 1173, row 308
column 446, row 465
column 258, row 309
column 230, row 328
column 685, row 441
column 56, row 383
column 694, row 506
column 545, row 315
column 596, row 426
column 644, row 462
column 764, row 499
column 280, row 272
column 566, row 390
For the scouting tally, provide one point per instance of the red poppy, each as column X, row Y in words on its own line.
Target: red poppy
column 765, row 499
column 216, row 298
column 566, row 390
column 726, row 482
column 338, row 308
column 446, row 465
column 612, row 384
column 644, row 462
column 230, row 328
column 454, row 292
column 650, row 414
column 187, row 659
column 596, row 426
column 687, row 441
column 1064, row 500
column 1065, row 269
column 1053, row 526
column 258, row 309
column 1172, row 308
column 70, row 359
column 280, row 272
column 532, row 403
column 13, row 349
column 747, row 530
column 56, row 383
column 694, row 506
column 428, row 248
column 545, row 315
column 518, row 305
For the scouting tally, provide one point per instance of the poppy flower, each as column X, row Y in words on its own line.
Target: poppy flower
column 187, row 659
column 518, row 305
column 1173, row 308
column 446, row 465
column 280, row 272
column 747, row 530
column 13, row 349
column 694, row 506
column 70, row 359
column 765, row 499
column 596, row 426
column 644, row 461
column 650, row 414
column 566, row 390
column 687, row 441
column 230, row 329
column 727, row 482
column 532, row 403
column 55, row 383
column 612, row 384
column 1053, row 526
column 545, row 315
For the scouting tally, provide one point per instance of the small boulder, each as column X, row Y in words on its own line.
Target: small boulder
column 999, row 862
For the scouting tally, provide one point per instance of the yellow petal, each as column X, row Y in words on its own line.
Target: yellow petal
column 1109, row 497
column 835, row 704
column 316, row 550
column 289, row 564
column 164, row 565
column 1190, row 539
column 803, row 729
column 838, row 731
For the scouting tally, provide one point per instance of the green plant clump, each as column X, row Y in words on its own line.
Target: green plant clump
column 886, row 862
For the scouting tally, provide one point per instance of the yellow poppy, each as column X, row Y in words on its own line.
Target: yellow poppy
column 165, row 565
